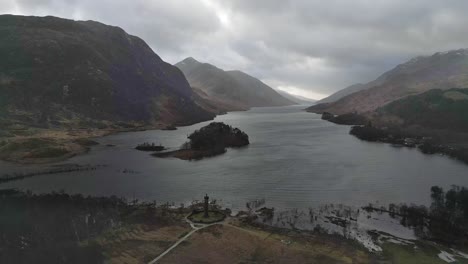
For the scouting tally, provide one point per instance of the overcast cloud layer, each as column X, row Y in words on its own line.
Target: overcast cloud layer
column 307, row 47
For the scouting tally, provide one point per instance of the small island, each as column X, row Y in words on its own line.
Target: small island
column 209, row 141
column 150, row 147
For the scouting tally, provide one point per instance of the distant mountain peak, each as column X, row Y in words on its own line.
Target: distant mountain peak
column 442, row 70
column 189, row 60
column 452, row 52
column 231, row 90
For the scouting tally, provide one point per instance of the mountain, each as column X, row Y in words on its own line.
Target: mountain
column 434, row 109
column 60, row 72
column 229, row 90
column 355, row 88
column 440, row 71
column 296, row 98
column 342, row 93
column 435, row 121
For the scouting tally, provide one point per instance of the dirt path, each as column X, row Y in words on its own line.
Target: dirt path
column 195, row 227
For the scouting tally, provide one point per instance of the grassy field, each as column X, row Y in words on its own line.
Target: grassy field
column 22, row 144
column 139, row 243
column 234, row 243
column 44, row 146
column 231, row 244
column 62, row 228
column 34, row 149
column 420, row 252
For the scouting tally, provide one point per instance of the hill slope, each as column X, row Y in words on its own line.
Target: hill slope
column 231, row 90
column 55, row 71
column 342, row 93
column 434, row 109
column 439, row 71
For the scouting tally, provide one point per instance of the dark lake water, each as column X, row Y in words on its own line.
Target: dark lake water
column 295, row 160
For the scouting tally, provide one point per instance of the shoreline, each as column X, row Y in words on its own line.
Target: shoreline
column 426, row 145
column 189, row 154
column 19, row 149
column 74, row 142
column 362, row 128
column 66, row 138
column 145, row 222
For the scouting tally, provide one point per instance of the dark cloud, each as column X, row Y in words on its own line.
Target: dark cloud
column 309, row 47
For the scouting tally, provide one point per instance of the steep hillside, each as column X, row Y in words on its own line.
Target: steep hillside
column 230, row 90
column 439, row 71
column 342, row 93
column 435, row 109
column 58, row 72
column 359, row 87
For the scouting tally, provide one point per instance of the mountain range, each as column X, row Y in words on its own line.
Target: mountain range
column 342, row 93
column 54, row 71
column 442, row 70
column 69, row 74
column 229, row 90
column 423, row 102
column 58, row 72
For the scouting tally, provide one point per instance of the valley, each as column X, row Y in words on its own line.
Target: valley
column 111, row 154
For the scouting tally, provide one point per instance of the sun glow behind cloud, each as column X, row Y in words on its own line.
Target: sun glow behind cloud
column 222, row 13
column 304, row 93
column 306, row 47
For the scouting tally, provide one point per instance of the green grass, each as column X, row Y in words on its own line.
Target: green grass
column 29, row 144
column 408, row 254
column 49, row 152
column 38, row 148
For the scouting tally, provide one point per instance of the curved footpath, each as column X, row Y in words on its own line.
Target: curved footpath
column 195, row 227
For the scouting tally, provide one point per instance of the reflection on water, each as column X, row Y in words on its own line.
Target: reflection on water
column 295, row 160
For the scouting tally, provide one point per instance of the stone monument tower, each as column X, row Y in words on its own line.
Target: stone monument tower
column 205, row 207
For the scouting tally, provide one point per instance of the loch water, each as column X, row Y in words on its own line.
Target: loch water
column 295, row 160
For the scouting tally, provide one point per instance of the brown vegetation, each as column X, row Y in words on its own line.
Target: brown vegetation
column 232, row 244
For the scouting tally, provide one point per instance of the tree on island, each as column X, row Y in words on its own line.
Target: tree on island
column 209, row 141
column 217, row 135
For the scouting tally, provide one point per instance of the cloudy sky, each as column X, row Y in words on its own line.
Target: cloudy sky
column 311, row 48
